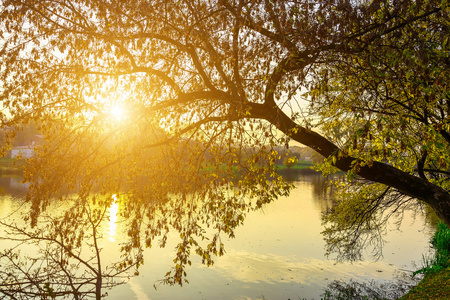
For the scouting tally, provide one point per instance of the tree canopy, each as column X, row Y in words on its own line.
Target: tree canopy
column 208, row 89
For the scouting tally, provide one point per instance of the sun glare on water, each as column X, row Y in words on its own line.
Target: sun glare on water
column 113, row 210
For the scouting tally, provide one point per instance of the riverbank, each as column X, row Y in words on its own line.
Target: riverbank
column 10, row 166
column 302, row 165
column 434, row 286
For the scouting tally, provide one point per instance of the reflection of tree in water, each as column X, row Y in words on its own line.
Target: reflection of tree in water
column 292, row 175
column 321, row 187
column 339, row 235
column 354, row 290
column 12, row 184
column 60, row 258
column 323, row 190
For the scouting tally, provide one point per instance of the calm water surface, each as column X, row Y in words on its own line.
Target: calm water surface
column 277, row 254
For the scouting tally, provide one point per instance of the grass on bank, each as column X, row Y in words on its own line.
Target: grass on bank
column 436, row 283
column 435, row 286
column 300, row 166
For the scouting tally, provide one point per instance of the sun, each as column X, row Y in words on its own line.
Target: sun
column 118, row 112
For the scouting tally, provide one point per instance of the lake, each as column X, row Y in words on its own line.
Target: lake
column 278, row 253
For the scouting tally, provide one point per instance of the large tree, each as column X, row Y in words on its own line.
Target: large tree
column 209, row 88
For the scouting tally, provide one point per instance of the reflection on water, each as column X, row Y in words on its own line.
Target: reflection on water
column 256, row 268
column 12, row 185
column 113, row 210
column 277, row 254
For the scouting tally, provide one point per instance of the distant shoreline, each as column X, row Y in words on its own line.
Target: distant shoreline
column 13, row 166
column 10, row 166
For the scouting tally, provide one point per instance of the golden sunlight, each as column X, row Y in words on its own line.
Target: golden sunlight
column 118, row 112
column 113, row 210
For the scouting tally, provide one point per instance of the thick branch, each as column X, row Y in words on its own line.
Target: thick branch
column 408, row 184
